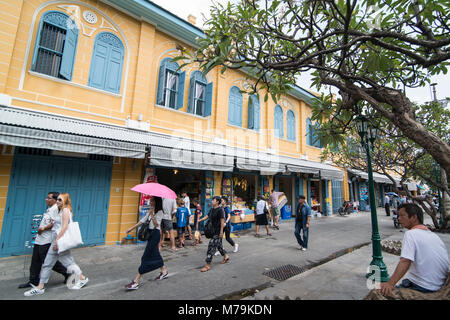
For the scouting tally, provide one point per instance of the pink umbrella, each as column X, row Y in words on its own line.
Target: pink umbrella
column 155, row 189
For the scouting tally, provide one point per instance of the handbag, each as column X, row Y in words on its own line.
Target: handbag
column 144, row 232
column 209, row 230
column 71, row 238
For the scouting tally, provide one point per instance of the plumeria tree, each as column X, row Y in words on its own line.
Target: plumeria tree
column 396, row 154
column 369, row 51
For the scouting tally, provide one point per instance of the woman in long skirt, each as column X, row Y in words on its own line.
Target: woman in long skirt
column 151, row 259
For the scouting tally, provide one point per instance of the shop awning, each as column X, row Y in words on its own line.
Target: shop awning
column 326, row 171
column 377, row 177
column 36, row 138
column 189, row 159
column 27, row 128
column 266, row 164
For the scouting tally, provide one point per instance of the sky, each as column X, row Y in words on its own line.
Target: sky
column 200, row 8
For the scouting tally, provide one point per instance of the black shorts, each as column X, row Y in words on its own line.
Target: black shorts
column 166, row 224
column 261, row 220
column 181, row 230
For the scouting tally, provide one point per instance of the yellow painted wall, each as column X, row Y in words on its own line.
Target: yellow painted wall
column 5, row 172
column 123, row 209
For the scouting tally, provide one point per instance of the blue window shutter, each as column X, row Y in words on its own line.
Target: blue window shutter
column 251, row 114
column 290, row 126
column 161, row 83
column 191, row 95
column 180, row 93
column 68, row 58
column 308, row 132
column 114, row 71
column 208, row 102
column 98, row 66
column 278, row 118
column 256, row 113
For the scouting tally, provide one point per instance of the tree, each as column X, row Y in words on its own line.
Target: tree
column 393, row 153
column 367, row 54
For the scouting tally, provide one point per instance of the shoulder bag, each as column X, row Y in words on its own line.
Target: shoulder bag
column 144, row 232
column 71, row 238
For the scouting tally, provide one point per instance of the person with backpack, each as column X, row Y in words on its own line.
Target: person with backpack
column 214, row 231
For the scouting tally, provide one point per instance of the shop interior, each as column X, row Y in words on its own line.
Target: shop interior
column 316, row 198
column 244, row 191
column 285, row 185
column 179, row 180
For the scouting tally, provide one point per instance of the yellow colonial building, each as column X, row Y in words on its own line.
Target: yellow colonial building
column 92, row 104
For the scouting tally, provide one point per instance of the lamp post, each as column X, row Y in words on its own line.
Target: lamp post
column 377, row 266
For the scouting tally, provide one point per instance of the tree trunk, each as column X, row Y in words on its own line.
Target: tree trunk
column 445, row 201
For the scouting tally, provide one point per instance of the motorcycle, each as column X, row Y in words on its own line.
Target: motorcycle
column 397, row 223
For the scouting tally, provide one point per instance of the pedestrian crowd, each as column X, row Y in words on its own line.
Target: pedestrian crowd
column 423, row 253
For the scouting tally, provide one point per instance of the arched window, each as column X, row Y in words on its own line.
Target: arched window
column 200, row 95
column 170, row 85
column 56, row 44
column 290, row 121
column 107, row 63
column 278, row 122
column 235, row 107
column 253, row 112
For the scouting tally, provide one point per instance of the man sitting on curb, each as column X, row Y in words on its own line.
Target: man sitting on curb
column 423, row 255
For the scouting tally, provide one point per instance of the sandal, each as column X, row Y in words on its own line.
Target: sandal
column 225, row 260
column 257, row 235
column 269, row 234
column 205, row 268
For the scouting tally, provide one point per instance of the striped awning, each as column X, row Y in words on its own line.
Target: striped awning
column 28, row 128
column 36, row 138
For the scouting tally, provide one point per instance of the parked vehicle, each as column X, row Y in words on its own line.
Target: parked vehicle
column 347, row 208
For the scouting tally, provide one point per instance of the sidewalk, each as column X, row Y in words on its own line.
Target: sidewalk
column 342, row 278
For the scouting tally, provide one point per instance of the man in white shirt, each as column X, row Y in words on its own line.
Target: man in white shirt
column 261, row 215
column 169, row 209
column 387, row 205
column 423, row 255
column 42, row 243
column 187, row 204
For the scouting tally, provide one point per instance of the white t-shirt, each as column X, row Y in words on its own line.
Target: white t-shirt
column 429, row 258
column 158, row 217
column 49, row 216
column 169, row 207
column 187, row 203
column 260, row 205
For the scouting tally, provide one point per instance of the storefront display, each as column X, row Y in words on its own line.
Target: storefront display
column 244, row 198
column 316, row 199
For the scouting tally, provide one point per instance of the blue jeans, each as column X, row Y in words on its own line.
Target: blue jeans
column 302, row 242
column 406, row 283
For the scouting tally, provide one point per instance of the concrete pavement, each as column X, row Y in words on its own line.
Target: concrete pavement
column 110, row 268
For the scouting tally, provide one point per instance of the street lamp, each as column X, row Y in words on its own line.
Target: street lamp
column 368, row 136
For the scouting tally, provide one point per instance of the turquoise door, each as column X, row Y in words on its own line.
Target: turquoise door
column 33, row 176
column 337, row 197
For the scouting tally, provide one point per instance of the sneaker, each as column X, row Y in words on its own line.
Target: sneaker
column 303, row 249
column 34, row 292
column 132, row 286
column 236, row 247
column 162, row 276
column 80, row 284
column 217, row 253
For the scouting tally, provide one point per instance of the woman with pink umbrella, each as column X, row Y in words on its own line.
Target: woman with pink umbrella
column 151, row 259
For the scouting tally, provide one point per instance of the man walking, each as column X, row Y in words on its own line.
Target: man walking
column 42, row 244
column 302, row 220
column 169, row 209
column 424, row 255
column 274, row 209
column 387, row 205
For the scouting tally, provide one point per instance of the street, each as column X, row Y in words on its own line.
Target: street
column 110, row 268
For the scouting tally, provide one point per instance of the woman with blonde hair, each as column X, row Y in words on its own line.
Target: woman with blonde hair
column 60, row 225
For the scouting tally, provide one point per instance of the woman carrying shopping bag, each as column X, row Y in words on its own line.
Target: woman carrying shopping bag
column 60, row 226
